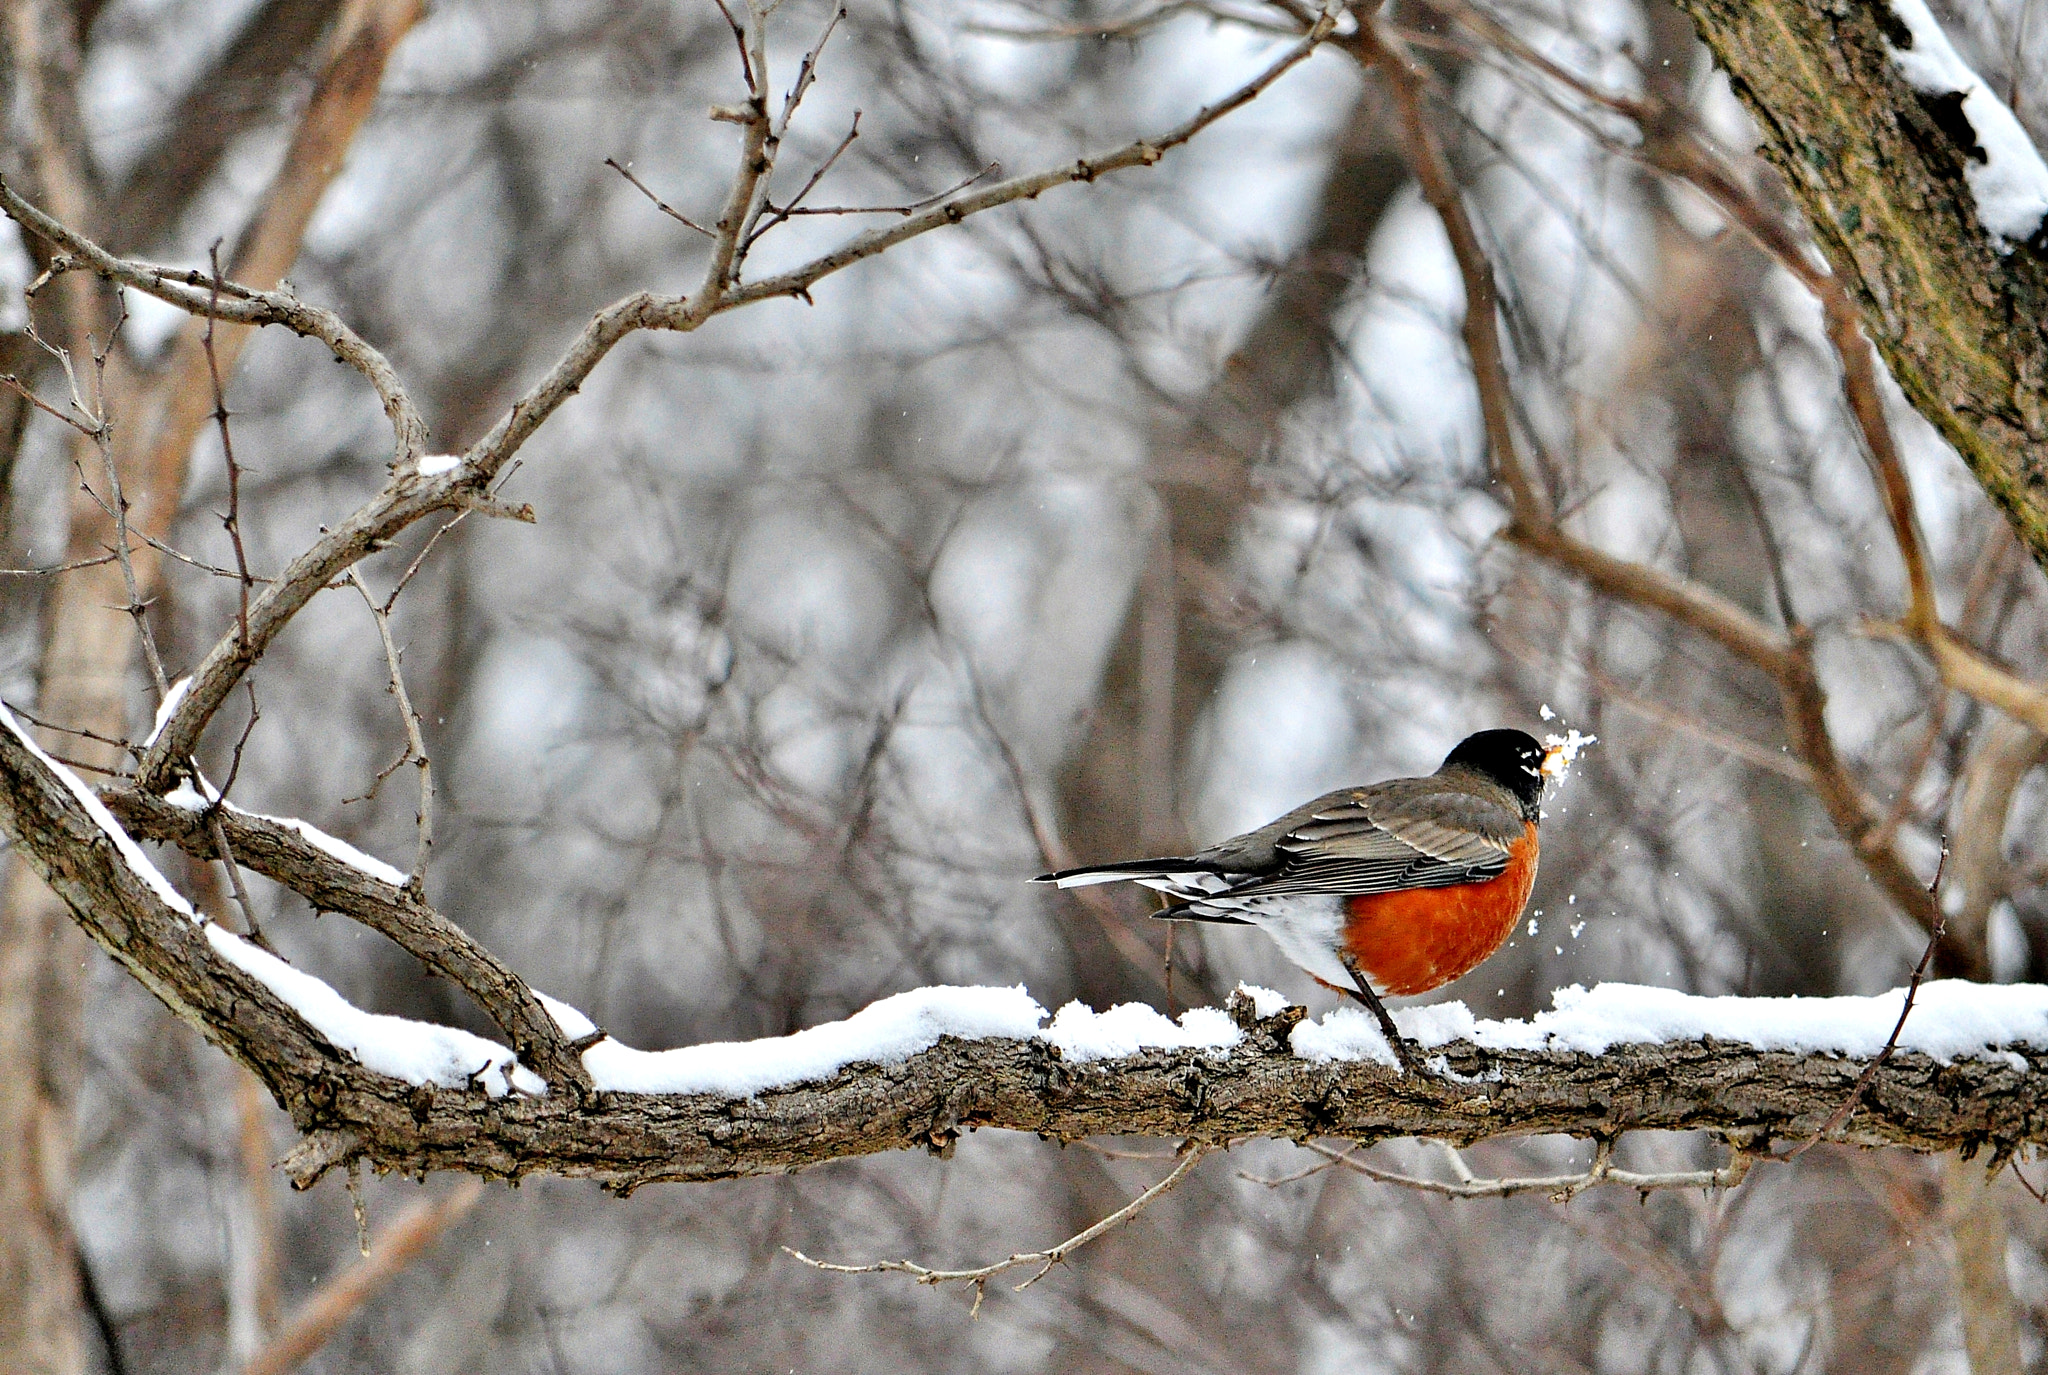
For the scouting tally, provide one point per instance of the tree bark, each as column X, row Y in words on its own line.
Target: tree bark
column 1960, row 325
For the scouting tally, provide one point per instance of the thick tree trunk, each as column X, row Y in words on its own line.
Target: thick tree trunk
column 1960, row 325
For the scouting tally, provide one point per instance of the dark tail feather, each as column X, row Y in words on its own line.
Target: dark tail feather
column 1130, row 869
column 1187, row 911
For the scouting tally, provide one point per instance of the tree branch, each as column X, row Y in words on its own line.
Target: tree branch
column 444, row 949
column 1259, row 1087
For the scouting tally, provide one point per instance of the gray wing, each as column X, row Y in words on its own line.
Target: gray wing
column 1384, row 839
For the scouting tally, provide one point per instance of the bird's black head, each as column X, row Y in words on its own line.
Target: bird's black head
column 1510, row 758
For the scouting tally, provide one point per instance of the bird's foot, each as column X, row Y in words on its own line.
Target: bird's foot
column 1405, row 1050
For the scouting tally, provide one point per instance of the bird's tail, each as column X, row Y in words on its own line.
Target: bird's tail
column 1138, row 869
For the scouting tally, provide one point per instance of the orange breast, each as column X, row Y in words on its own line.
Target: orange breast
column 1422, row 938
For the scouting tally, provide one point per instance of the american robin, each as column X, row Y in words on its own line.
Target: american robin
column 1392, row 889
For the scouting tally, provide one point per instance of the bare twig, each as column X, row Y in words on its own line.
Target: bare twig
column 227, row 859
column 195, row 293
column 1561, row 1188
column 1190, row 1156
column 1379, row 47
column 415, row 741
column 19, row 388
column 232, row 521
column 1841, row 1114
column 102, row 436
column 912, row 208
column 778, row 215
column 55, row 569
column 798, row 281
column 659, row 204
column 125, row 746
column 807, row 71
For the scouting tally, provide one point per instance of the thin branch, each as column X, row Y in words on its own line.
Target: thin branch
column 806, row 72
column 1841, row 1114
column 195, row 293
column 415, row 741
column 1379, row 47
column 55, row 569
column 659, row 204
column 103, row 440
column 1561, row 1188
column 227, row 859
column 910, row 209
column 233, row 520
column 759, row 145
column 219, row 833
column 798, row 281
column 778, row 215
column 1191, row 1156
column 21, row 389
column 124, row 746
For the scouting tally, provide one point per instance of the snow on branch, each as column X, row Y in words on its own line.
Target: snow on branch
column 2004, row 170
column 919, row 1069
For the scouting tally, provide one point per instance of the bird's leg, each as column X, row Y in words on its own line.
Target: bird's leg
column 1410, row 1061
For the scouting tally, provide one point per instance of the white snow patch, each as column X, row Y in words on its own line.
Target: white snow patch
column 335, row 848
column 1349, row 1034
column 884, row 1033
column 1083, row 1034
column 124, row 844
column 1950, row 1018
column 2011, row 185
column 891, row 1031
column 433, row 465
column 416, row 1052
column 172, row 701
column 198, row 799
column 571, row 1020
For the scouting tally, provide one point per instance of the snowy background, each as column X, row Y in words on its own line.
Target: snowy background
column 828, row 606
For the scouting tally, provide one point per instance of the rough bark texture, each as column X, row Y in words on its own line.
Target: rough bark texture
column 442, row 948
column 1959, row 324
column 1258, row 1089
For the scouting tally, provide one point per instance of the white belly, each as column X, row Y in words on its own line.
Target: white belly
column 1308, row 929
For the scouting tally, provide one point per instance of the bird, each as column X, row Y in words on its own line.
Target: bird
column 1386, row 890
